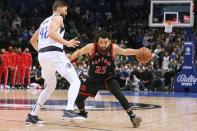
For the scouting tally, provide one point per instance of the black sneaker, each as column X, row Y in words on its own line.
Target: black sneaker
column 70, row 114
column 33, row 119
column 135, row 120
column 83, row 114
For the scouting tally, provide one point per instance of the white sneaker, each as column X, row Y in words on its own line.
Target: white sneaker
column 7, row 87
column 28, row 87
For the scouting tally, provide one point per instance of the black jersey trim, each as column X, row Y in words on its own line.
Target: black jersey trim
column 103, row 53
column 106, row 82
column 62, row 29
column 87, row 94
column 92, row 56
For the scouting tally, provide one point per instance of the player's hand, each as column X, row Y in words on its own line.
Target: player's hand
column 72, row 43
column 68, row 56
column 146, row 49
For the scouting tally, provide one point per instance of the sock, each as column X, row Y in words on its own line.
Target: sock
column 35, row 110
column 131, row 114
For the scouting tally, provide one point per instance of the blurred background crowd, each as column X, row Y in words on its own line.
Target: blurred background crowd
column 126, row 20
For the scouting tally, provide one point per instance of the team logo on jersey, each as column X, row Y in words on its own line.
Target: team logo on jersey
column 68, row 65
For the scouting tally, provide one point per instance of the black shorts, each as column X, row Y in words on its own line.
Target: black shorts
column 92, row 85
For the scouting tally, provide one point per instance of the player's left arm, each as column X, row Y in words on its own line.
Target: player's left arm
column 85, row 50
column 120, row 51
column 34, row 39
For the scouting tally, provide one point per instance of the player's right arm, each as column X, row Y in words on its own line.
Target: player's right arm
column 88, row 49
column 34, row 39
column 56, row 23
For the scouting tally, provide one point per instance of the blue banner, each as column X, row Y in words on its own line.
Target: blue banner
column 187, row 78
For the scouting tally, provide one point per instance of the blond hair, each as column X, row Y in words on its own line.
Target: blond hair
column 59, row 3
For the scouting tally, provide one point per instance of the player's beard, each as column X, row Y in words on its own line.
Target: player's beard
column 63, row 16
column 103, row 49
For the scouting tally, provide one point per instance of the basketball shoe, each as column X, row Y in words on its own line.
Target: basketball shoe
column 83, row 114
column 33, row 119
column 135, row 120
column 70, row 114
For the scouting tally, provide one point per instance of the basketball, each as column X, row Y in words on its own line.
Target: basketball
column 144, row 55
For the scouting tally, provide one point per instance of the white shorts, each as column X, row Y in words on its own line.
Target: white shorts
column 53, row 61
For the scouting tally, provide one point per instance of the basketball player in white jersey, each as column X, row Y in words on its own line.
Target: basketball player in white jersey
column 52, row 58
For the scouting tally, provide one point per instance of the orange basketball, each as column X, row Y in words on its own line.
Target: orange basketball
column 144, row 55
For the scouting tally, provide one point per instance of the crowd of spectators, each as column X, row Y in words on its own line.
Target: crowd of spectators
column 129, row 28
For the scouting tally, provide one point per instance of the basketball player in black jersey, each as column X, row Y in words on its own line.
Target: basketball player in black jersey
column 101, row 73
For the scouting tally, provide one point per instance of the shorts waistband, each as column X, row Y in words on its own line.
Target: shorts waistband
column 50, row 48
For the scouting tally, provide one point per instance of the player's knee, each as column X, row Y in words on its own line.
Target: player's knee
column 76, row 82
column 114, row 91
column 114, row 87
column 51, row 82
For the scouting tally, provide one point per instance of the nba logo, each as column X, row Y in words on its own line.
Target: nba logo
column 68, row 65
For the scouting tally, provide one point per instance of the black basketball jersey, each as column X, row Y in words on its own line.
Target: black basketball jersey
column 101, row 63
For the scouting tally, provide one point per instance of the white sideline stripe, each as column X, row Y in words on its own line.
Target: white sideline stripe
column 58, row 107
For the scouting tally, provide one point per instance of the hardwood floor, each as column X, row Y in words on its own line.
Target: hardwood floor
column 160, row 112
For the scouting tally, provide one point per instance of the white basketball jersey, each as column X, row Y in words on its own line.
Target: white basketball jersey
column 43, row 39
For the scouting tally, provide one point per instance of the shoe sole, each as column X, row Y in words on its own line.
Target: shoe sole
column 28, row 123
column 75, row 118
column 39, row 122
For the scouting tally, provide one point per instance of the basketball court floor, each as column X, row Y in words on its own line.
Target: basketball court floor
column 161, row 111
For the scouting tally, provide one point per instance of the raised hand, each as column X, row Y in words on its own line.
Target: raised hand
column 72, row 43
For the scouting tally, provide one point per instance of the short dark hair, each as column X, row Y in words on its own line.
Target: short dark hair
column 59, row 3
column 104, row 34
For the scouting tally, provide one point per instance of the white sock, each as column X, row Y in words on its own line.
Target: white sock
column 45, row 94
column 35, row 110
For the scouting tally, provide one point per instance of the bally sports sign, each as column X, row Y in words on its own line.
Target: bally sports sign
column 187, row 77
column 187, row 81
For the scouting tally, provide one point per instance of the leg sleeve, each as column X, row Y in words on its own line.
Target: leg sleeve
column 80, row 101
column 114, row 88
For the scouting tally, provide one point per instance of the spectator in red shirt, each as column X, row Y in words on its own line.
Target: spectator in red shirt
column 4, row 68
column 20, row 68
column 28, row 64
